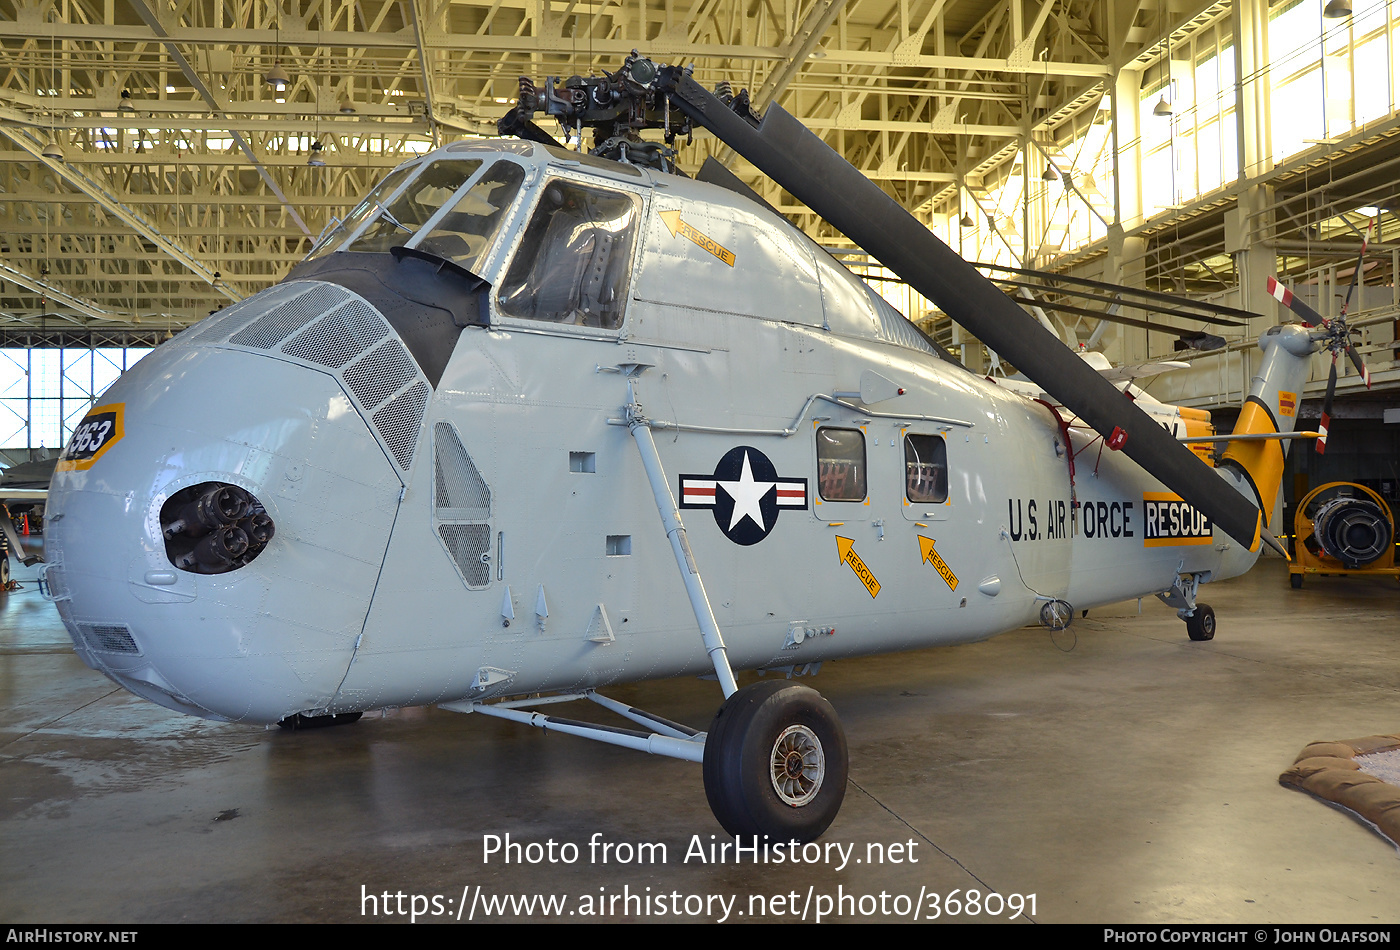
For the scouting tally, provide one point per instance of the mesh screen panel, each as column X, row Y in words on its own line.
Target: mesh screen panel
column 467, row 543
column 286, row 318
column 344, row 334
column 380, row 373
column 459, row 491
column 109, row 637
column 399, row 420
column 219, row 326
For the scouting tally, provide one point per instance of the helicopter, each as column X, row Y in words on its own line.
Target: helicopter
column 532, row 421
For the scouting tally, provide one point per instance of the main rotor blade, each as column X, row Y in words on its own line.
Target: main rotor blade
column 1325, row 422
column 1285, row 296
column 1110, row 317
column 787, row 152
column 1067, row 291
column 1101, row 298
column 1120, row 289
column 1356, row 272
column 1360, row 366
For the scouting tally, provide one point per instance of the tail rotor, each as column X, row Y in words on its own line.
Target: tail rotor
column 1334, row 335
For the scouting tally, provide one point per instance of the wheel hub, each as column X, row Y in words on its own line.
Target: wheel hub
column 798, row 765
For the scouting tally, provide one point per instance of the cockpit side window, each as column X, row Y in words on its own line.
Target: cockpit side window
column 467, row 230
column 575, row 260
column 400, row 218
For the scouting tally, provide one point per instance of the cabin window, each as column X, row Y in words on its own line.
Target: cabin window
column 396, row 221
column 467, row 230
column 575, row 260
column 841, row 464
column 925, row 468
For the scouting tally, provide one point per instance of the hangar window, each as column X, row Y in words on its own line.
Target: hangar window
column 574, row 262
column 841, row 464
column 925, row 468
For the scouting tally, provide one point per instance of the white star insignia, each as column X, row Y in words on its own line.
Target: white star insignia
column 747, row 494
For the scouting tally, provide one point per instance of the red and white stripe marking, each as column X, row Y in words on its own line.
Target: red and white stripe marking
column 700, row 492
column 792, row 494
column 697, row 491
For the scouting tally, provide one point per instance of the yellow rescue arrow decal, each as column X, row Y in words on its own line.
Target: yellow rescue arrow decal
column 677, row 227
column 944, row 571
column 845, row 551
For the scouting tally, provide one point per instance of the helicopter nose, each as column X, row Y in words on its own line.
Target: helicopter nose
column 216, row 526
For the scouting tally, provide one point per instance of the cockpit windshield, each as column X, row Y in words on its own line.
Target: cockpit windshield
column 372, row 203
column 402, row 216
column 467, row 230
column 452, row 207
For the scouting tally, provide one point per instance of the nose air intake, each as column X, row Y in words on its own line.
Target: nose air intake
column 214, row 528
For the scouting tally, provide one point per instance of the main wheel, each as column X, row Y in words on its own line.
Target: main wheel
column 776, row 762
column 4, row 567
column 1200, row 626
column 1296, row 580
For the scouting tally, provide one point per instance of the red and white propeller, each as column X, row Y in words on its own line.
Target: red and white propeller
column 1332, row 334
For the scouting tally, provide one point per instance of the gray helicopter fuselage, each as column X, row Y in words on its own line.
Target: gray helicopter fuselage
column 478, row 523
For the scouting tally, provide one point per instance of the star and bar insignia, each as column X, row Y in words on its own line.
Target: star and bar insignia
column 745, row 494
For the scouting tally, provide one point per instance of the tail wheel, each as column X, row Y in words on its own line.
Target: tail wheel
column 776, row 762
column 1296, row 580
column 4, row 567
column 1200, row 626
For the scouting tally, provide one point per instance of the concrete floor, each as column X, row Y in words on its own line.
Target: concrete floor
column 1116, row 771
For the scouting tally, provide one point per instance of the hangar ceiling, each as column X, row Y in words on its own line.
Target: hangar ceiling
column 184, row 182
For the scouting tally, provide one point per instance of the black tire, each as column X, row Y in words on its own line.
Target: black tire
column 776, row 762
column 1296, row 580
column 4, row 569
column 296, row 721
column 1200, row 626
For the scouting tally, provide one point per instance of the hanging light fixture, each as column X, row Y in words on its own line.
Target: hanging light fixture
column 1050, row 174
column 346, row 107
column 314, row 158
column 277, row 77
column 1163, row 107
column 1336, row 9
column 966, row 220
column 126, row 106
column 53, row 151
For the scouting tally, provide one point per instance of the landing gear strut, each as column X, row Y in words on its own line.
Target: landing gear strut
column 1200, row 618
column 775, row 757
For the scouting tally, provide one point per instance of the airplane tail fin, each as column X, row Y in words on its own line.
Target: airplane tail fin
column 1271, row 407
